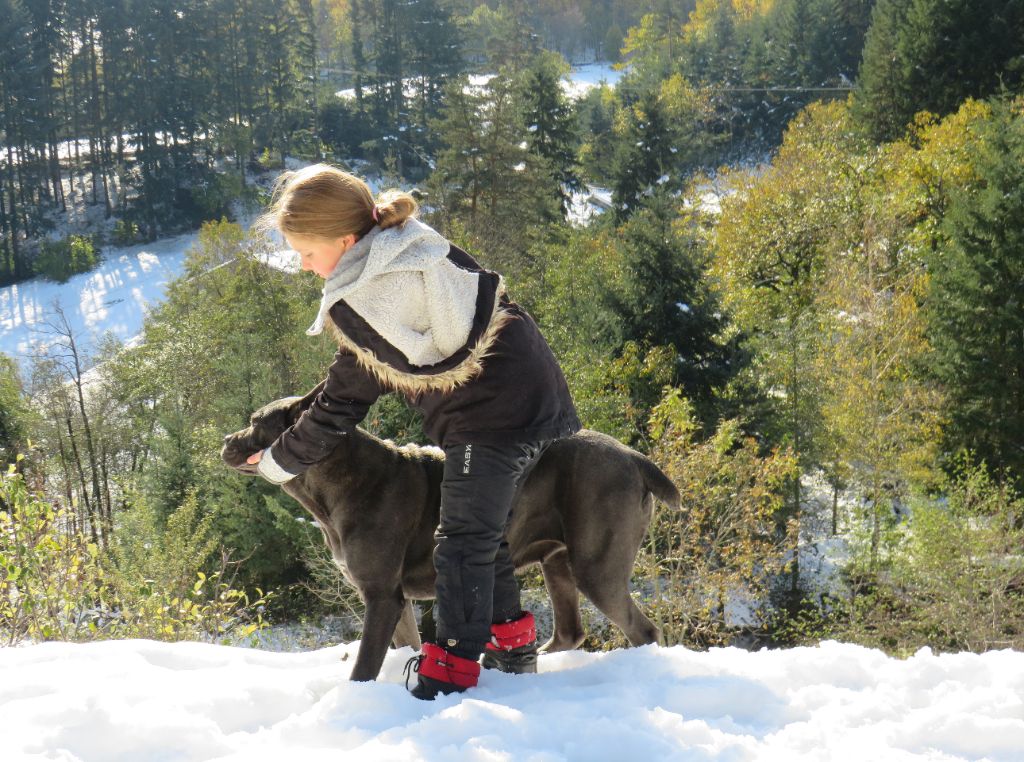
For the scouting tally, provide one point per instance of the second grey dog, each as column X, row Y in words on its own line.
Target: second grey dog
column 581, row 515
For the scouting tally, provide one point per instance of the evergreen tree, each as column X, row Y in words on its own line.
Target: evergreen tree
column 499, row 37
column 16, row 77
column 486, row 176
column 930, row 55
column 644, row 154
column 595, row 112
column 666, row 301
column 975, row 307
column 14, row 413
column 550, row 123
column 882, row 102
column 435, row 54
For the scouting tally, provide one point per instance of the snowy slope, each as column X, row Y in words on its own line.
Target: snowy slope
column 114, row 297
column 140, row 700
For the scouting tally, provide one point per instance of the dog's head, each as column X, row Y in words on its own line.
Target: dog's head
column 265, row 425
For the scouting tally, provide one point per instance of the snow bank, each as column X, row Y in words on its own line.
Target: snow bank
column 141, row 700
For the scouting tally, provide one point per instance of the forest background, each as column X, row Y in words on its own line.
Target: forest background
column 803, row 300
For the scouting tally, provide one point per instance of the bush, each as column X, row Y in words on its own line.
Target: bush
column 214, row 195
column 711, row 565
column 955, row 579
column 50, row 576
column 57, row 585
column 125, row 233
column 59, row 260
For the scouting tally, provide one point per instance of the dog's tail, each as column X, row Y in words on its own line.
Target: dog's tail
column 658, row 484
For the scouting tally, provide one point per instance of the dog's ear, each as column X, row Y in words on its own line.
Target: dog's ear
column 301, row 404
column 307, row 399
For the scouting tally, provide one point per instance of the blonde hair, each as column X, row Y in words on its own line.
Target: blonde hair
column 322, row 201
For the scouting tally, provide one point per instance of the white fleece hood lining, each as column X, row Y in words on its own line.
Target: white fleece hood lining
column 402, row 283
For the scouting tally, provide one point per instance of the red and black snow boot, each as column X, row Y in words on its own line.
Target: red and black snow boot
column 440, row 672
column 513, row 646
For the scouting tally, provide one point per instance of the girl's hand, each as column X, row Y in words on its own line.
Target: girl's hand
column 254, row 458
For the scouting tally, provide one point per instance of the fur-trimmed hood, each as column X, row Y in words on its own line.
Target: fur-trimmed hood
column 412, row 316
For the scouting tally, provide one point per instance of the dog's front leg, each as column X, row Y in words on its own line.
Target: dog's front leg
column 383, row 610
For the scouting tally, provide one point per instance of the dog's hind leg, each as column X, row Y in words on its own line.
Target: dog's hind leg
column 383, row 610
column 612, row 598
column 565, row 603
column 407, row 633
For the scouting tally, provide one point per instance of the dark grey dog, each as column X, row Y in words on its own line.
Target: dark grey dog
column 581, row 515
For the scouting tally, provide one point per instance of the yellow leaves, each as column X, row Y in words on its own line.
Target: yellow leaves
column 723, row 545
column 700, row 26
column 644, row 38
column 682, row 102
column 774, row 234
column 748, row 9
column 673, row 417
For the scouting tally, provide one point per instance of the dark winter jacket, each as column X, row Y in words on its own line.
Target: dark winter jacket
column 414, row 314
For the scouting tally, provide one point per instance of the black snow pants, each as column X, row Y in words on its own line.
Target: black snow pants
column 476, row 582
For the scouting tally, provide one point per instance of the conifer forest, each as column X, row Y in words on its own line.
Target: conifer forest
column 799, row 288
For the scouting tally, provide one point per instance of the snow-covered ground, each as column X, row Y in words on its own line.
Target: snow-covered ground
column 112, row 298
column 581, row 80
column 145, row 701
column 586, row 77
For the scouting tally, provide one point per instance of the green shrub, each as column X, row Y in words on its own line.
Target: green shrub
column 50, row 576
column 57, row 585
column 214, row 195
column 59, row 260
column 955, row 578
column 125, row 233
column 725, row 546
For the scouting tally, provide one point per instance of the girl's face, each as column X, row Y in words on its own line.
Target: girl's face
column 320, row 255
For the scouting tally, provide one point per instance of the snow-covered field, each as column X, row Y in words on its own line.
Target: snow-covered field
column 112, row 298
column 582, row 78
column 145, row 701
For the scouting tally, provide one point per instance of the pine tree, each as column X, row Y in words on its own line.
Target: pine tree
column 435, row 54
column 485, row 175
column 666, row 301
column 643, row 156
column 551, row 123
column 16, row 78
column 930, row 55
column 975, row 307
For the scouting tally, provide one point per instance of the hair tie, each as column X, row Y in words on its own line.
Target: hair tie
column 375, row 213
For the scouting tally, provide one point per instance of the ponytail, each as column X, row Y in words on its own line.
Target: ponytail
column 394, row 207
column 322, row 201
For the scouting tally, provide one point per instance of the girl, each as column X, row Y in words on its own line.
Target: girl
column 415, row 314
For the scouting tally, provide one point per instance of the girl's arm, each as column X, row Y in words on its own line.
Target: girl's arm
column 343, row 402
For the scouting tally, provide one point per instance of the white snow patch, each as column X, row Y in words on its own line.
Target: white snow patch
column 580, row 80
column 587, row 204
column 112, row 298
column 141, row 700
column 586, row 77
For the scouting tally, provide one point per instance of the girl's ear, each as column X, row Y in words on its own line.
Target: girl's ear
column 346, row 242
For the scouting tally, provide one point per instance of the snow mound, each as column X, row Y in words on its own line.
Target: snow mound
column 141, row 700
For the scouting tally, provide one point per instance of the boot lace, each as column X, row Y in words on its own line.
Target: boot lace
column 412, row 666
